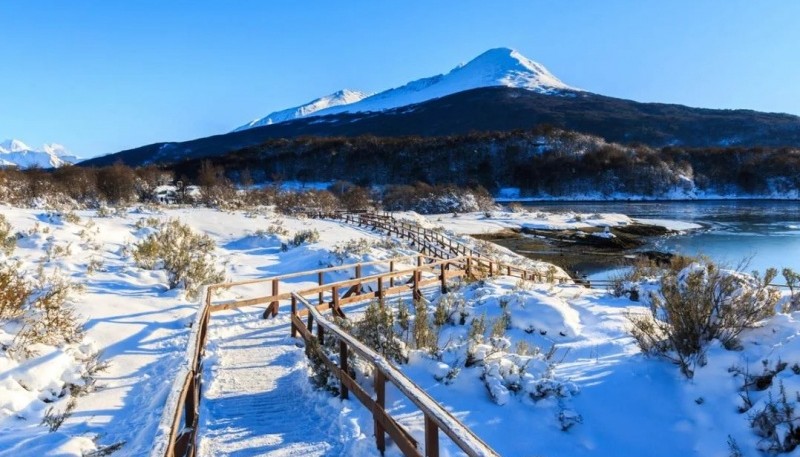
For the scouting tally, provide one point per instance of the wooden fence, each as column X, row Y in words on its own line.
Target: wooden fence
column 177, row 435
column 441, row 259
column 436, row 417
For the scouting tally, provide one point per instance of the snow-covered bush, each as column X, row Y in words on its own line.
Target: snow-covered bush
column 778, row 423
column 377, row 330
column 39, row 312
column 507, row 373
column 187, row 256
column 792, row 279
column 14, row 293
column 7, row 240
column 307, row 201
column 426, row 199
column 305, row 236
column 700, row 303
column 350, row 249
column 423, row 334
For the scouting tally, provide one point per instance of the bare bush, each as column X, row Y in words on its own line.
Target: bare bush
column 305, row 236
column 14, row 293
column 8, row 242
column 778, row 423
column 187, row 256
column 700, row 303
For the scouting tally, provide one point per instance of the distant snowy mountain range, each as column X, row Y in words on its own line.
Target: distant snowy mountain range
column 15, row 153
column 501, row 67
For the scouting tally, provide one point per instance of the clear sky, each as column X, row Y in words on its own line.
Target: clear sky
column 101, row 76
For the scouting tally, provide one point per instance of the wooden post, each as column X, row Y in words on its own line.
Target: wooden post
column 337, row 310
column 380, row 402
column 310, row 323
column 380, row 290
column 320, row 281
column 272, row 309
column 358, row 276
column 509, row 271
column 419, row 261
column 469, row 267
column 294, row 313
column 491, row 267
column 391, row 269
column 343, row 365
column 443, row 278
column 320, row 334
column 431, row 438
column 190, row 406
column 417, row 278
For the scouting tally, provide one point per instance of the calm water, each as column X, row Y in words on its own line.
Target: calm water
column 766, row 232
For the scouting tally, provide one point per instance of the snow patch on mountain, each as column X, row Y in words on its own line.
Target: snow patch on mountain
column 15, row 153
column 342, row 97
column 495, row 67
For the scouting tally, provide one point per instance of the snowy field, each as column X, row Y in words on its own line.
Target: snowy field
column 563, row 377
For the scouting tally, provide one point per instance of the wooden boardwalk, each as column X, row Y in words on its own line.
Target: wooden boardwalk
column 254, row 403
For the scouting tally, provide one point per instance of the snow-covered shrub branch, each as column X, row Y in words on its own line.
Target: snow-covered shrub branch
column 699, row 303
column 187, row 256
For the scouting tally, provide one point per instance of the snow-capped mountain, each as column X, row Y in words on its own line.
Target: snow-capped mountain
column 342, row 97
column 495, row 67
column 15, row 153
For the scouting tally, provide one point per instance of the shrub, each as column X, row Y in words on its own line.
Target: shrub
column 307, row 201
column 698, row 304
column 48, row 318
column 187, row 256
column 792, row 279
column 351, row 248
column 305, row 236
column 8, row 242
column 14, row 293
column 376, row 329
column 777, row 424
column 424, row 336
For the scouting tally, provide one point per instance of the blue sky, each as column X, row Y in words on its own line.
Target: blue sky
column 103, row 76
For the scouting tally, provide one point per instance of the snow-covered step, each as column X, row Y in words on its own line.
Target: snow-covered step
column 256, row 398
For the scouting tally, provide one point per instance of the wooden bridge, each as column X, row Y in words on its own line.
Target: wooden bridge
column 441, row 260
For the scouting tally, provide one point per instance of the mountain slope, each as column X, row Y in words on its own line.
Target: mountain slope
column 15, row 153
column 496, row 67
column 501, row 67
column 342, row 97
column 504, row 109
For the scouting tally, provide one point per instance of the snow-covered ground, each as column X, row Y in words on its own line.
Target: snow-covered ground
column 578, row 385
column 495, row 221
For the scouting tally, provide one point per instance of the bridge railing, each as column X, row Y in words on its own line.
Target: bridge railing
column 436, row 417
column 441, row 259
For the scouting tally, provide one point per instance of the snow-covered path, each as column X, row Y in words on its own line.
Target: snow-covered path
column 257, row 399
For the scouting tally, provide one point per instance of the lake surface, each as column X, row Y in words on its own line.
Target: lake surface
column 765, row 232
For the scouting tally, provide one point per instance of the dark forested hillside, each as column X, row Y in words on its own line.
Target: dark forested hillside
column 504, row 109
column 543, row 161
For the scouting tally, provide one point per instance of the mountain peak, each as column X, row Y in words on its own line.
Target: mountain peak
column 508, row 67
column 13, row 145
column 15, row 153
column 495, row 67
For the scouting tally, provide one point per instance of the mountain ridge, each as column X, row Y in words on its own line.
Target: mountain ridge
column 15, row 153
column 496, row 67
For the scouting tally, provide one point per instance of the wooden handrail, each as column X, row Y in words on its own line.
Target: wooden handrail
column 177, row 431
column 462, row 436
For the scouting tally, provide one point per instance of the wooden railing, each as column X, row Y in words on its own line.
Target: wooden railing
column 436, row 417
column 177, row 433
column 441, row 259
